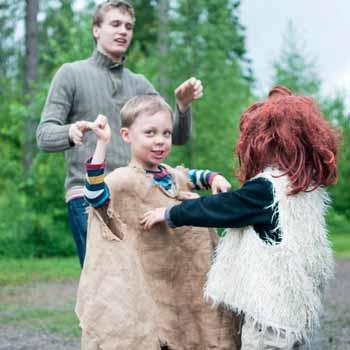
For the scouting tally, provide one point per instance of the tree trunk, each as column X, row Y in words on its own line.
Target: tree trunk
column 163, row 45
column 31, row 75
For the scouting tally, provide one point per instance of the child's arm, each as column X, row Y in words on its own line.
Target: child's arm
column 103, row 133
column 95, row 190
column 204, row 179
column 249, row 205
column 200, row 179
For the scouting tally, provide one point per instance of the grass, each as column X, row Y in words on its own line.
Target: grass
column 341, row 244
column 23, row 271
column 62, row 321
column 24, row 312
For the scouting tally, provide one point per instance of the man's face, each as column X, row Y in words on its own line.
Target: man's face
column 114, row 34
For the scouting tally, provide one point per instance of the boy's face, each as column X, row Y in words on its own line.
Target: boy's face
column 150, row 137
column 114, row 34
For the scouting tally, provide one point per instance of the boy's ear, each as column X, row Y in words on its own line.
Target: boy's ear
column 124, row 133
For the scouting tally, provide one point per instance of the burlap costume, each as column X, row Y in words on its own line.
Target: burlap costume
column 146, row 289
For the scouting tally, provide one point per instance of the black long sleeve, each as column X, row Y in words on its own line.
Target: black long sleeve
column 249, row 205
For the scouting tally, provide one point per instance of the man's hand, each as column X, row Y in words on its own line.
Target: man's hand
column 100, row 127
column 187, row 92
column 77, row 130
column 153, row 217
column 220, row 184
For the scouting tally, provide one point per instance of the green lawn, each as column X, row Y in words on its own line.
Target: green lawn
column 21, row 307
column 341, row 245
column 22, row 271
column 62, row 319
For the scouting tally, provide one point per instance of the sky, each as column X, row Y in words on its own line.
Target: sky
column 322, row 25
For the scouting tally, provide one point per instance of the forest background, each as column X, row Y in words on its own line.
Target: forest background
column 173, row 40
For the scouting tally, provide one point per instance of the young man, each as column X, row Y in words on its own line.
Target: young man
column 144, row 290
column 100, row 84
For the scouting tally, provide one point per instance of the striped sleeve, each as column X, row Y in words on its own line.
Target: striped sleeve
column 201, row 179
column 96, row 191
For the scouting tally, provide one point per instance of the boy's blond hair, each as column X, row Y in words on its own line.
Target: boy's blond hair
column 106, row 6
column 143, row 104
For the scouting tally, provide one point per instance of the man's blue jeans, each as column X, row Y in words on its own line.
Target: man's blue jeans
column 77, row 216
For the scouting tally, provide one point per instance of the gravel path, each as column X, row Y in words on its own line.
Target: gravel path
column 18, row 338
column 334, row 335
column 335, row 326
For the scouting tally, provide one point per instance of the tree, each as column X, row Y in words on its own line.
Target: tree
column 294, row 69
column 207, row 40
column 335, row 110
column 297, row 71
column 163, row 43
column 146, row 28
column 173, row 40
column 31, row 75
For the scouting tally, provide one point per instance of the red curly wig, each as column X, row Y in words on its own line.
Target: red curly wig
column 288, row 132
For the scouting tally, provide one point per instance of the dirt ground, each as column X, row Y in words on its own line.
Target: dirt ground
column 334, row 334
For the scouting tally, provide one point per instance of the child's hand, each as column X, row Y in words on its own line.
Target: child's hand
column 220, row 184
column 153, row 217
column 101, row 128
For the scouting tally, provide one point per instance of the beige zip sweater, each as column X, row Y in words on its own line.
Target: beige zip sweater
column 80, row 91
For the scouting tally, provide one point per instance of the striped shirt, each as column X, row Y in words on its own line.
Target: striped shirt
column 97, row 194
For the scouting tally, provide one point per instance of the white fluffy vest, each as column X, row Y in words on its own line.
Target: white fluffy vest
column 281, row 285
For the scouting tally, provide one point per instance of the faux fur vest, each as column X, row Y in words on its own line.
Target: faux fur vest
column 279, row 286
column 143, row 289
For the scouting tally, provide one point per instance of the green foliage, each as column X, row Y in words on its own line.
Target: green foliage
column 63, row 38
column 335, row 110
column 205, row 39
column 337, row 223
column 294, row 69
column 10, row 11
column 145, row 30
column 33, row 219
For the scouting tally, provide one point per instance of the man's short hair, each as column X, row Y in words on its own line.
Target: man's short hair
column 143, row 104
column 106, row 6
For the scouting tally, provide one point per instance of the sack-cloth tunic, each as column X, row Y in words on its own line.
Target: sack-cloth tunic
column 143, row 289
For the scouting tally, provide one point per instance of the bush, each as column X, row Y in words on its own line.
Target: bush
column 337, row 223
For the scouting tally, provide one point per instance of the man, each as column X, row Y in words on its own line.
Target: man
column 100, row 85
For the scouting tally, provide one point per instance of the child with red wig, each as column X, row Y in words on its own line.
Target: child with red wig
column 274, row 261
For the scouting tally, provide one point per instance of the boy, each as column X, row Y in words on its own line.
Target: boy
column 144, row 291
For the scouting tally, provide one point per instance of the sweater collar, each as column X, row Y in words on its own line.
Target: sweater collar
column 102, row 60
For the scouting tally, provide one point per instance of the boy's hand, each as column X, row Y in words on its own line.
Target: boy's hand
column 187, row 92
column 220, row 184
column 153, row 217
column 101, row 128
